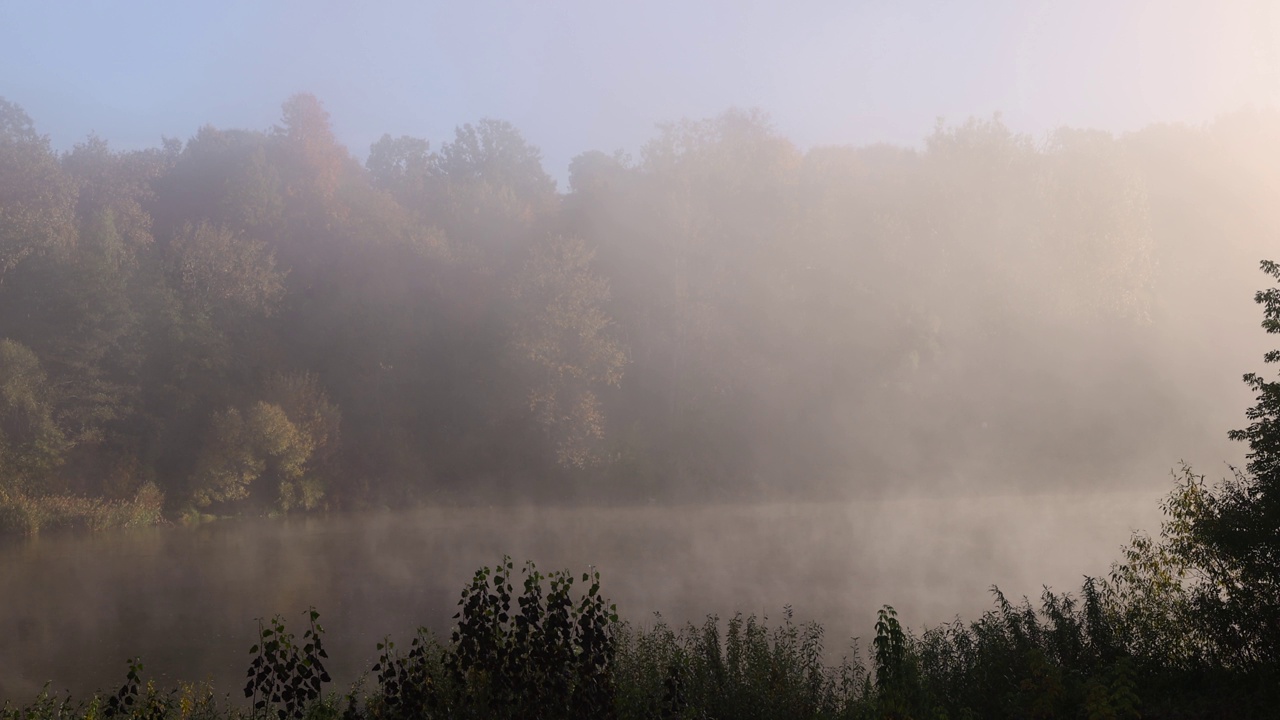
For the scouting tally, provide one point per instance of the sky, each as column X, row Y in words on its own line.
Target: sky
column 598, row 75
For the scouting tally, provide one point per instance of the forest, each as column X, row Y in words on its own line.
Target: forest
column 254, row 321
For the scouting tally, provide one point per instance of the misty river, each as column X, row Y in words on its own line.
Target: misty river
column 74, row 607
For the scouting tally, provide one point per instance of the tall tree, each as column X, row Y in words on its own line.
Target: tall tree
column 565, row 338
column 31, row 443
column 37, row 202
column 314, row 160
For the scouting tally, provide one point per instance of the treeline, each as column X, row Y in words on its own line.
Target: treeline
column 257, row 320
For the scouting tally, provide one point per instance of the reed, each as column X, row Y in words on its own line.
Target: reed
column 22, row 514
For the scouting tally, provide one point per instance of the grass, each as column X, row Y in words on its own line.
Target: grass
column 22, row 514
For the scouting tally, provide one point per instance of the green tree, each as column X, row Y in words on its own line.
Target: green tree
column 285, row 449
column 1098, row 241
column 1263, row 434
column 317, row 421
column 1240, row 530
column 258, row 452
column 1206, row 593
column 31, row 443
column 228, row 464
column 210, row 302
column 489, row 195
column 564, row 336
column 403, row 165
column 221, row 272
column 37, row 202
column 494, row 152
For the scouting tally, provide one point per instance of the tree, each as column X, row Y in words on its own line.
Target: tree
column 1240, row 529
column 488, row 192
column 314, row 159
column 31, row 444
column 1098, row 240
column 222, row 273
column 1263, row 435
column 494, row 152
column 307, row 409
column 243, row 448
column 37, row 202
column 565, row 340
column 401, row 165
column 1208, row 590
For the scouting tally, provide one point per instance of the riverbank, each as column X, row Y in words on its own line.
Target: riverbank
column 565, row 654
column 26, row 515
column 184, row 597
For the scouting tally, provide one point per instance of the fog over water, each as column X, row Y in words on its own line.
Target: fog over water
column 746, row 307
column 185, row 599
column 732, row 375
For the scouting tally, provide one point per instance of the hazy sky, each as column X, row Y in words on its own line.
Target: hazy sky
column 594, row 74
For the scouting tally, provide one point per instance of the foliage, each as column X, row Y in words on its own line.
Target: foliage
column 130, row 701
column 1017, row 661
column 413, row 685
column 244, row 447
column 751, row 671
column 218, row 270
column 546, row 657
column 285, row 678
column 22, row 514
column 545, row 654
column 36, row 198
column 897, row 686
column 719, row 314
column 725, row 314
column 31, row 443
column 565, row 337
column 1212, row 580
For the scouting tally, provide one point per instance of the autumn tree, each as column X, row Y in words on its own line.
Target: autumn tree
column 314, row 161
column 244, row 446
column 268, row 452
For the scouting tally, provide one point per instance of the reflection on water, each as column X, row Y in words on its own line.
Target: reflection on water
column 74, row 607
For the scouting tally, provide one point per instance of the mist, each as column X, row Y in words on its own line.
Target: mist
column 254, row 321
column 187, row 602
column 954, row 344
column 736, row 340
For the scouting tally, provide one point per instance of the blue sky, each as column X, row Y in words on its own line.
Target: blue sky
column 583, row 75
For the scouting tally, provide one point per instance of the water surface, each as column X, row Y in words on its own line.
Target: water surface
column 73, row 607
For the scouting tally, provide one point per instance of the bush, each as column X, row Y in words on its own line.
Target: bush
column 753, row 672
column 549, row 656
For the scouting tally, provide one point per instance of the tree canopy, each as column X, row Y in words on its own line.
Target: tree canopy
column 256, row 319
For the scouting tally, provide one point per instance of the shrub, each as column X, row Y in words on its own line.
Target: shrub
column 285, row 677
column 752, row 672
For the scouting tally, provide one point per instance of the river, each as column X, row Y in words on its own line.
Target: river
column 74, row 607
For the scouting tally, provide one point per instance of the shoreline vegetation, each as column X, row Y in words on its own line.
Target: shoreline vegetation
column 27, row 515
column 543, row 646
